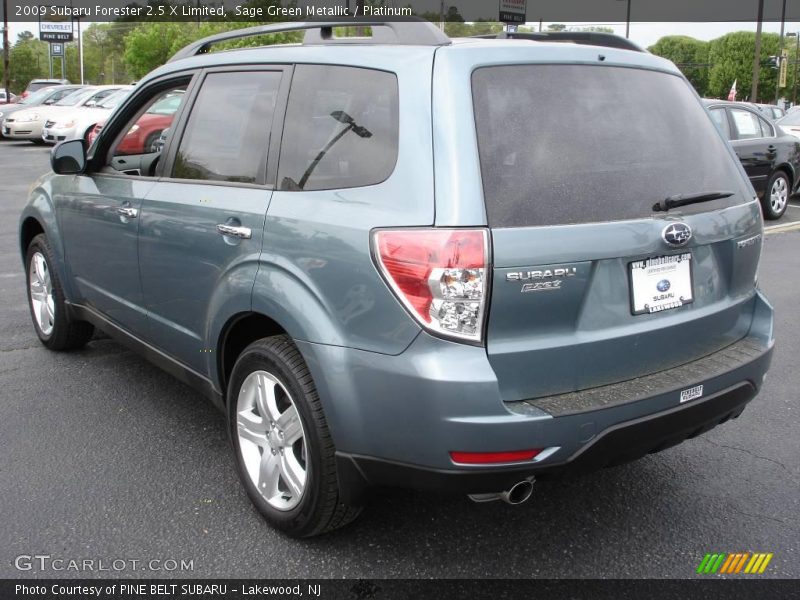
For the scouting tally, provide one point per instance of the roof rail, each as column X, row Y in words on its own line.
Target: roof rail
column 588, row 38
column 411, row 32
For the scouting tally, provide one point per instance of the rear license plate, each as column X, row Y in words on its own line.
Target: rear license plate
column 661, row 283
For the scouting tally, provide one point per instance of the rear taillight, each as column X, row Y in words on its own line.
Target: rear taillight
column 440, row 275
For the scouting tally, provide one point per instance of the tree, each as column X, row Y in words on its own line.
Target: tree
column 689, row 54
column 27, row 60
column 731, row 58
column 556, row 27
column 597, row 28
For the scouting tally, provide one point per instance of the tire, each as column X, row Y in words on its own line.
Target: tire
column 776, row 196
column 55, row 328
column 151, row 139
column 39, row 142
column 286, row 465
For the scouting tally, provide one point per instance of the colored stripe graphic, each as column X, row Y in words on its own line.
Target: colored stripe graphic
column 741, row 562
column 726, row 567
column 703, row 563
column 756, row 563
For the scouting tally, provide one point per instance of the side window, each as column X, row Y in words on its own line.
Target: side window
column 721, row 121
column 227, row 134
column 766, row 128
column 95, row 99
column 144, row 133
column 341, row 128
column 747, row 124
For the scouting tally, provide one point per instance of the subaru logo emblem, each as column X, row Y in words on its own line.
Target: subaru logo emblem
column 677, row 234
column 663, row 285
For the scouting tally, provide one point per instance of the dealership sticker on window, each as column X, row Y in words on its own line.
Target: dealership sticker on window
column 661, row 283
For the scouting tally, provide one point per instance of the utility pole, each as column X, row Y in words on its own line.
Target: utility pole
column 757, row 57
column 783, row 23
column 796, row 58
column 6, row 74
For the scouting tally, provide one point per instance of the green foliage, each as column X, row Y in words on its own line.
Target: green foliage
column 27, row 60
column 731, row 58
column 690, row 55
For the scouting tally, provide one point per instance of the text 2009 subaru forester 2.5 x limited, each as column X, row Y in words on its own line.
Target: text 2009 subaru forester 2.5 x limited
column 406, row 260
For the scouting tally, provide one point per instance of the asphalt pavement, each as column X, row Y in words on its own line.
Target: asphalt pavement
column 105, row 457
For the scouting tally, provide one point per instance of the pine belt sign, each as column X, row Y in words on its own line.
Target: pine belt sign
column 55, row 30
column 512, row 11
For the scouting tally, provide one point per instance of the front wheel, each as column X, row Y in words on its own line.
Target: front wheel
column 284, row 453
column 54, row 326
column 776, row 198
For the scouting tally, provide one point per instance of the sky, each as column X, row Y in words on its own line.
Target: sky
column 644, row 34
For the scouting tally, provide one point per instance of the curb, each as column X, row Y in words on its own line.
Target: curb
column 782, row 228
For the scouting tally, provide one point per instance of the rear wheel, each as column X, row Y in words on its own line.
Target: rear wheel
column 55, row 328
column 776, row 198
column 283, row 448
column 150, row 143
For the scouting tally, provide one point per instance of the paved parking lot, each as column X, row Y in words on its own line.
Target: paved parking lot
column 104, row 456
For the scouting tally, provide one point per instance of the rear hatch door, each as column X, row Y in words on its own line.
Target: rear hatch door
column 591, row 284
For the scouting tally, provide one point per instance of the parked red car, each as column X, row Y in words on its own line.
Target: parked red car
column 142, row 137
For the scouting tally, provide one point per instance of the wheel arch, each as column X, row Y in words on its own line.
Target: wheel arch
column 238, row 332
column 29, row 228
column 790, row 173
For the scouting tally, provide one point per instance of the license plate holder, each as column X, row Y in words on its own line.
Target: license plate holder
column 661, row 283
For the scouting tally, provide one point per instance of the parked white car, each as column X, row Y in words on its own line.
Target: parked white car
column 790, row 123
column 79, row 121
column 28, row 124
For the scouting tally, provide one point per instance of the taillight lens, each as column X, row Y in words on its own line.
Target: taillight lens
column 440, row 275
column 488, row 458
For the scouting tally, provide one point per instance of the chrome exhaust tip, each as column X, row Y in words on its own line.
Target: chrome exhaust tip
column 517, row 494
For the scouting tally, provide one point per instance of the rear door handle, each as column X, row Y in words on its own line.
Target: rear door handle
column 243, row 233
column 130, row 213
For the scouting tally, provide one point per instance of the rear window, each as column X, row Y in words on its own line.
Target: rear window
column 565, row 144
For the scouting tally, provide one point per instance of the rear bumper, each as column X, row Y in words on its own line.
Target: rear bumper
column 395, row 419
column 621, row 443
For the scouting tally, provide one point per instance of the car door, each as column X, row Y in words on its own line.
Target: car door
column 99, row 217
column 756, row 151
column 201, row 224
column 98, row 221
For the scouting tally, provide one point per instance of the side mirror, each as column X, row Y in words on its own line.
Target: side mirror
column 49, row 101
column 69, row 158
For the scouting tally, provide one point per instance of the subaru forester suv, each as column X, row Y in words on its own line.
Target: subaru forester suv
column 406, row 260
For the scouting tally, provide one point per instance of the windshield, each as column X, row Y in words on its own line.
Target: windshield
column 114, row 99
column 37, row 97
column 564, row 144
column 75, row 97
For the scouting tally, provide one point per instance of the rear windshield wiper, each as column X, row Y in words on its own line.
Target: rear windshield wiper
column 686, row 199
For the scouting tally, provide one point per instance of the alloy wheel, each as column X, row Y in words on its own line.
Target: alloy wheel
column 272, row 442
column 41, row 292
column 779, row 195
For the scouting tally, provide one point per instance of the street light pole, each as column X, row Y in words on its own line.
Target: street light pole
column 628, row 19
column 796, row 56
column 6, row 74
column 757, row 54
column 780, row 65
